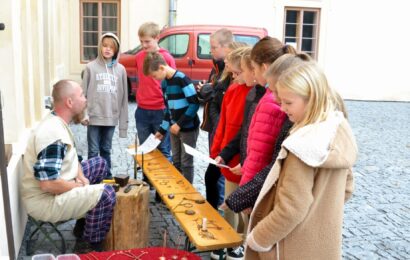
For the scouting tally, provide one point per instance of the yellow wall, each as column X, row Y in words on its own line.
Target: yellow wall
column 23, row 80
column 39, row 46
column 133, row 14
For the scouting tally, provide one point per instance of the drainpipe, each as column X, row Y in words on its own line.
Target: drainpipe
column 172, row 14
column 5, row 185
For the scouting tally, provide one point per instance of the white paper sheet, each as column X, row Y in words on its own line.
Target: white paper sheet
column 197, row 154
column 148, row 146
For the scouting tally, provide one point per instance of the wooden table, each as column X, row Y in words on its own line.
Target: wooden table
column 179, row 195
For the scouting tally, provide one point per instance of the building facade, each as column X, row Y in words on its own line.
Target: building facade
column 361, row 45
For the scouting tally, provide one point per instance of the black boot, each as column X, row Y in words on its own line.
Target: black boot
column 97, row 246
column 79, row 228
column 157, row 197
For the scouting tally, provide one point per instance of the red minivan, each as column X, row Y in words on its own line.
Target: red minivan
column 190, row 47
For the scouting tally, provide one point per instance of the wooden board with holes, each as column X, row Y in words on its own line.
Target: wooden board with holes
column 130, row 221
column 218, row 234
column 173, row 188
column 163, row 175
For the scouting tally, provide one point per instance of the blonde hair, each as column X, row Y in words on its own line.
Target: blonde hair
column 285, row 62
column 246, row 58
column 113, row 42
column 233, row 57
column 149, row 29
column 307, row 80
column 223, row 36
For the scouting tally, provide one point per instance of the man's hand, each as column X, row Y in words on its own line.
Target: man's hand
column 175, row 129
column 83, row 181
column 159, row 136
column 80, row 176
column 236, row 170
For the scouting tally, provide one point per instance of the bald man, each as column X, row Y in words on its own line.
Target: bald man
column 56, row 186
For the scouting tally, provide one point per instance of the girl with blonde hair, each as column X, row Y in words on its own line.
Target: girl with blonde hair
column 299, row 211
column 230, row 122
column 214, row 181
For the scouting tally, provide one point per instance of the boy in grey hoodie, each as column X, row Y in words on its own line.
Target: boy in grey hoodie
column 105, row 87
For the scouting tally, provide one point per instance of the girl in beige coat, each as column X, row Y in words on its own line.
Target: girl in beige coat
column 299, row 211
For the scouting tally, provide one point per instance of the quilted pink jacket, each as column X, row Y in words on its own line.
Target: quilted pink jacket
column 263, row 131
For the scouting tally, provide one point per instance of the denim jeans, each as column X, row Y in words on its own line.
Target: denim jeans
column 221, row 189
column 183, row 161
column 99, row 140
column 148, row 122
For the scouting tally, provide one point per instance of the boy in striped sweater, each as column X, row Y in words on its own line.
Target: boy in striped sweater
column 181, row 111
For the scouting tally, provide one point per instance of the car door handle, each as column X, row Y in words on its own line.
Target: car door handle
column 191, row 62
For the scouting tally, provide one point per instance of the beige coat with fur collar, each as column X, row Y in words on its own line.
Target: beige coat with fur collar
column 299, row 211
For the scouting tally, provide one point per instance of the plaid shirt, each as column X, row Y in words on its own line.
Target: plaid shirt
column 49, row 161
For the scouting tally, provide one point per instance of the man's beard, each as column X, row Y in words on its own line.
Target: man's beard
column 79, row 117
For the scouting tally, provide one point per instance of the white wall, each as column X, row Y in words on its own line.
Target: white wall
column 137, row 13
column 367, row 53
column 227, row 12
column 362, row 44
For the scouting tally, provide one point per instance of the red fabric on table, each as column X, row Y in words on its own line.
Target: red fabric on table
column 151, row 253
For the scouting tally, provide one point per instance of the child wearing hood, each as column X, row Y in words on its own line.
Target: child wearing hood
column 105, row 87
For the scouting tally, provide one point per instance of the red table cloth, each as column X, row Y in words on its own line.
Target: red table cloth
column 150, row 253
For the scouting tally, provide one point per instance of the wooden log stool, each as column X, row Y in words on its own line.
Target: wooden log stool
column 130, row 222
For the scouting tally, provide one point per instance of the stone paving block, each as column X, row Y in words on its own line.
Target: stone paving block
column 349, row 256
column 377, row 217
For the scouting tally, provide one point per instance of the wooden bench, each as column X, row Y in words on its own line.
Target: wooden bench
column 181, row 198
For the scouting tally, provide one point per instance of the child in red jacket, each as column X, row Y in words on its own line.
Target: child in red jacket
column 230, row 121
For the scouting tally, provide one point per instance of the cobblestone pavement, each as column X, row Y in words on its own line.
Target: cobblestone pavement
column 377, row 218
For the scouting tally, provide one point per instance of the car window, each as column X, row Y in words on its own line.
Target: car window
column 204, row 47
column 176, row 44
column 250, row 40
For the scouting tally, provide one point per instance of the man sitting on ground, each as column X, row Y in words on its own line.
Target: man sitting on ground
column 56, row 186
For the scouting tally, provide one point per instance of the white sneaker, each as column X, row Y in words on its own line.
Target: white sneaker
column 236, row 253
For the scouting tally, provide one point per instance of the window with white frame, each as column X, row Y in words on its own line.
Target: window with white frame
column 97, row 18
column 302, row 29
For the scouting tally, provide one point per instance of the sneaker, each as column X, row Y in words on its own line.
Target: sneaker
column 79, row 228
column 235, row 253
column 218, row 254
